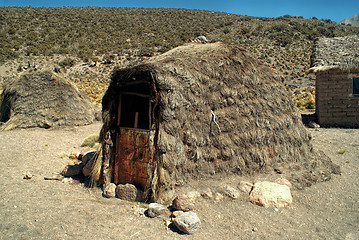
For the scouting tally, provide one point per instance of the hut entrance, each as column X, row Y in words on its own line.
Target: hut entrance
column 133, row 136
column 5, row 107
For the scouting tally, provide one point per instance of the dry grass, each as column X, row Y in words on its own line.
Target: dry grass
column 43, row 99
column 260, row 127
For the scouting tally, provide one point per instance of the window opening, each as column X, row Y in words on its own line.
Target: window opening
column 356, row 86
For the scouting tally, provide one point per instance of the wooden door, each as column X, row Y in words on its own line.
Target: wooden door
column 132, row 157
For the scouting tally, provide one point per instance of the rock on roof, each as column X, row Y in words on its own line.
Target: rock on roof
column 338, row 52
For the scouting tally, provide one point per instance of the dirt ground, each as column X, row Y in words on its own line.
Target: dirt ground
column 49, row 209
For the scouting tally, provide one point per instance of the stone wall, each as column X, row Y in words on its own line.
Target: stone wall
column 336, row 106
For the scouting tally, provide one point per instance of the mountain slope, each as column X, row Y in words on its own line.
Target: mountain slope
column 87, row 42
column 353, row 20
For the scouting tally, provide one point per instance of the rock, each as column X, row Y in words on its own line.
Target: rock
column 231, row 192
column 141, row 211
column 187, row 222
column 193, row 195
column 283, row 181
column 201, row 39
column 341, row 151
column 109, row 190
column 167, row 223
column 89, row 158
column 27, row 175
column 83, row 152
column 218, row 197
column 269, row 194
column 245, row 187
column 73, row 155
column 71, row 170
column 156, row 209
column 176, row 213
column 183, row 202
column 207, row 193
column 313, row 124
column 127, row 192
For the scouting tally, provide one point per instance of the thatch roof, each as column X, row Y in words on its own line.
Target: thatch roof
column 43, row 99
column 336, row 53
column 259, row 128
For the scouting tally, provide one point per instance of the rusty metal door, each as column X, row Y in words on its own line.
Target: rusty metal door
column 132, row 157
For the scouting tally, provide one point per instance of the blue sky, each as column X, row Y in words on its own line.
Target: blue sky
column 335, row 10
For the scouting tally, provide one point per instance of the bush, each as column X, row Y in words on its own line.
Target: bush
column 67, row 62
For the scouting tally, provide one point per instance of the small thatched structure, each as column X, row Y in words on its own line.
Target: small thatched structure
column 200, row 110
column 43, row 99
column 335, row 62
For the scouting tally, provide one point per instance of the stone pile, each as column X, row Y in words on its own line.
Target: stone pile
column 180, row 211
column 86, row 158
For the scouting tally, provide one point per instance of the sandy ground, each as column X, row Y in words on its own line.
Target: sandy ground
column 47, row 209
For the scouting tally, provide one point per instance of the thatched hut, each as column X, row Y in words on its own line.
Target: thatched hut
column 335, row 62
column 196, row 111
column 43, row 99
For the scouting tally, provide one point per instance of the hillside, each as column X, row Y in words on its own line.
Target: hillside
column 86, row 43
column 353, row 20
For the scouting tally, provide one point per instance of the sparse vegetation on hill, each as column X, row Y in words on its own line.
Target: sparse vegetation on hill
column 87, row 42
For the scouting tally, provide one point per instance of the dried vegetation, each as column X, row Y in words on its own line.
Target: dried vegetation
column 257, row 127
column 88, row 42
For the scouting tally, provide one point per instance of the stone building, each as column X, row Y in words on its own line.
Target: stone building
column 335, row 63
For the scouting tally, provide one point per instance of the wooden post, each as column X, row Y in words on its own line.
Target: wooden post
column 136, row 120
column 106, row 159
column 119, row 110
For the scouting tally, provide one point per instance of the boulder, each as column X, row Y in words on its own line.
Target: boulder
column 207, row 193
column 218, row 197
column 27, row 175
column 176, row 213
column 269, row 194
column 156, row 209
column 109, row 190
column 231, row 192
column 86, row 155
column 127, row 192
column 245, row 187
column 283, row 181
column 313, row 124
column 71, row 170
column 183, row 202
column 187, row 222
column 88, row 160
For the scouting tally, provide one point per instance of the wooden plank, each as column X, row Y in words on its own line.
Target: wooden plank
column 132, row 157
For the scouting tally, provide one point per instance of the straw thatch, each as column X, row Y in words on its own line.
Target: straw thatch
column 218, row 111
column 43, row 99
column 339, row 53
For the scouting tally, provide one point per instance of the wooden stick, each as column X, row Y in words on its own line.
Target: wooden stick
column 136, row 120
